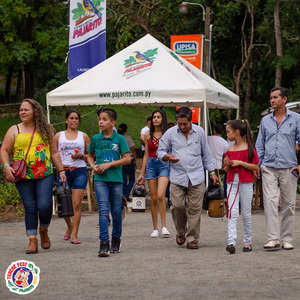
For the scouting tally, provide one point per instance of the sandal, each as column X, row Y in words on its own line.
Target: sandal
column 76, row 242
column 67, row 237
column 247, row 248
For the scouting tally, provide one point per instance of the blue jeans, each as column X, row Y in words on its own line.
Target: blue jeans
column 128, row 178
column 36, row 196
column 109, row 194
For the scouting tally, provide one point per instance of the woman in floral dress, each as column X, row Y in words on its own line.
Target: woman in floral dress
column 37, row 188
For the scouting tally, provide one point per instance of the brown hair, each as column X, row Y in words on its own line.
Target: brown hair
column 39, row 119
column 164, row 123
column 245, row 132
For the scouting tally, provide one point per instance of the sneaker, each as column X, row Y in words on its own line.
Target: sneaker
column 115, row 245
column 165, row 232
column 287, row 246
column 272, row 245
column 154, row 234
column 104, row 249
column 230, row 248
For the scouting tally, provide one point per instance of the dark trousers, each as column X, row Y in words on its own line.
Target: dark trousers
column 128, row 178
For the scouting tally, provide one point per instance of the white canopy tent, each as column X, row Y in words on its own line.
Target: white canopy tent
column 145, row 73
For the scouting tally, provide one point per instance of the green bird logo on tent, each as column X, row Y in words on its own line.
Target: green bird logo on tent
column 139, row 62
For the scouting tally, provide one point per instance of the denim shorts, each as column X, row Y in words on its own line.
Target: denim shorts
column 76, row 179
column 155, row 169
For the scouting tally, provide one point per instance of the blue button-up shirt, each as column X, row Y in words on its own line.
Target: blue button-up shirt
column 194, row 154
column 276, row 145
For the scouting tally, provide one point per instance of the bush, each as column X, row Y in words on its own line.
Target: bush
column 9, row 194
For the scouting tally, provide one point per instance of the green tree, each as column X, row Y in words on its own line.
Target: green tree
column 33, row 42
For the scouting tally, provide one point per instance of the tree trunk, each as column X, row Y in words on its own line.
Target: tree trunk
column 278, row 76
column 29, row 86
column 228, row 114
column 8, row 84
column 20, row 85
column 248, row 91
column 248, row 50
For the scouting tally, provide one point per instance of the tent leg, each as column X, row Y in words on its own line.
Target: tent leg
column 205, row 111
column 48, row 114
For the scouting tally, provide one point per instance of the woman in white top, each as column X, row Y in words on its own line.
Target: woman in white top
column 72, row 146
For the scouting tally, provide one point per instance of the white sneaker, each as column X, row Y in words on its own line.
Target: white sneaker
column 274, row 244
column 287, row 246
column 165, row 232
column 154, row 234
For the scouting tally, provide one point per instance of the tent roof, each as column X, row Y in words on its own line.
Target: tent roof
column 145, row 73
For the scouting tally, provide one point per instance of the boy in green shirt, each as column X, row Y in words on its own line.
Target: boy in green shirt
column 111, row 152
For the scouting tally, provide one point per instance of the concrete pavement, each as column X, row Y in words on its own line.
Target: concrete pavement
column 154, row 268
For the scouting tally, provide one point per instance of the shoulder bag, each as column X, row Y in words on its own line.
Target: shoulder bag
column 20, row 166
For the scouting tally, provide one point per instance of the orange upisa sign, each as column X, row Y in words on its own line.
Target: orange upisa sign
column 189, row 48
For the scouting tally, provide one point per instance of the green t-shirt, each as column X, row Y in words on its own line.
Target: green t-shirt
column 107, row 150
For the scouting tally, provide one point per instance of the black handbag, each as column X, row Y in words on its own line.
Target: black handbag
column 64, row 201
column 213, row 192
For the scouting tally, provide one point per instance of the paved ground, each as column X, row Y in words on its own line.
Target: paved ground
column 154, row 268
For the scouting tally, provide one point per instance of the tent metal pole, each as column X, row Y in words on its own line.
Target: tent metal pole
column 205, row 129
column 48, row 114
column 205, row 118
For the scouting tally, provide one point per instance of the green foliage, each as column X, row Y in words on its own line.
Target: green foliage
column 9, row 195
column 287, row 62
column 133, row 116
column 5, row 124
column 217, row 116
column 33, row 34
column 33, row 37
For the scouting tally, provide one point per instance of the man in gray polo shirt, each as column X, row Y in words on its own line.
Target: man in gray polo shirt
column 276, row 149
column 186, row 148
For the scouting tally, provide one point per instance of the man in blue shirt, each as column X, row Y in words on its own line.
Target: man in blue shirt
column 276, row 149
column 186, row 148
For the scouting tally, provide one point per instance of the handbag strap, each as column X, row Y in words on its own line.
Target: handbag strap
column 30, row 143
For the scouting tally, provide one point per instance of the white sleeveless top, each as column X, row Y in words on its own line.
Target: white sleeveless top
column 66, row 149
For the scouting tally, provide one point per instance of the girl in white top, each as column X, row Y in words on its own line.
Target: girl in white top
column 72, row 145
